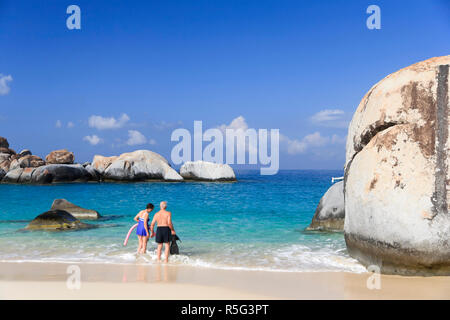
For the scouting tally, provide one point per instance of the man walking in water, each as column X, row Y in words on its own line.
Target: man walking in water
column 163, row 219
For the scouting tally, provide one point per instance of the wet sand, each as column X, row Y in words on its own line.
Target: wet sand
column 107, row 281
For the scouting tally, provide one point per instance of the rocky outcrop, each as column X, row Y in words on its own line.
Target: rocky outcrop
column 74, row 210
column 101, row 163
column 330, row 213
column 56, row 220
column 207, row 171
column 2, row 173
column 140, row 165
column 60, row 157
column 397, row 173
column 53, row 173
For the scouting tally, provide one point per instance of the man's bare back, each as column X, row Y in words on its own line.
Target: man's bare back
column 163, row 219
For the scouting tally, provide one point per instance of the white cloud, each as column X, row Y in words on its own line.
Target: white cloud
column 93, row 140
column 135, row 138
column 239, row 125
column 313, row 140
column 58, row 124
column 4, row 88
column 152, row 142
column 102, row 123
column 236, row 124
column 330, row 118
column 70, row 124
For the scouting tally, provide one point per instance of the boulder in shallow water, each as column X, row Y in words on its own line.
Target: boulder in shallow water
column 76, row 211
column 397, row 196
column 60, row 173
column 207, row 171
column 330, row 213
column 60, row 157
column 2, row 174
column 56, row 220
column 141, row 165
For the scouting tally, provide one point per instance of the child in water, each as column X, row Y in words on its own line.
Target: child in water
column 142, row 228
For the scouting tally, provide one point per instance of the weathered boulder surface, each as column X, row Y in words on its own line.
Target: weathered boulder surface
column 26, row 175
column 13, row 176
column 30, row 161
column 101, row 163
column 24, row 153
column 60, row 157
column 2, row 173
column 54, row 173
column 330, row 213
column 56, row 220
column 76, row 211
column 397, row 173
column 7, row 150
column 4, row 161
column 4, row 143
column 95, row 175
column 140, row 165
column 207, row 171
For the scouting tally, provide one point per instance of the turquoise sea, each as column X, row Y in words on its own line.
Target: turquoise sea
column 256, row 223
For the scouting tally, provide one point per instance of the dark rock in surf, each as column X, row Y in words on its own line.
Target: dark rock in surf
column 330, row 213
column 56, row 220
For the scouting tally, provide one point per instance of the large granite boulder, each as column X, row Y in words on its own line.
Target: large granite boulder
column 330, row 213
column 56, row 220
column 207, row 171
column 60, row 157
column 140, row 165
column 13, row 176
column 54, row 173
column 101, row 163
column 76, row 211
column 30, row 161
column 4, row 143
column 26, row 175
column 397, row 173
column 2, row 174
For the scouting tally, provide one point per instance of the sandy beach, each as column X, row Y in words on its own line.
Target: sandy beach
column 100, row 281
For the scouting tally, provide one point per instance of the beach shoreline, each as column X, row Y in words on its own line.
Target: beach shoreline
column 43, row 280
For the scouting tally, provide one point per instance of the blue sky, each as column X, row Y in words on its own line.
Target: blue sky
column 153, row 66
